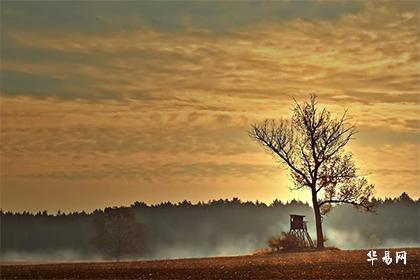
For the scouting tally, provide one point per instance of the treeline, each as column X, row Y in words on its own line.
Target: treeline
column 218, row 227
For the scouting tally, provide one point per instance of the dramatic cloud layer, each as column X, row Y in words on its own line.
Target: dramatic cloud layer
column 104, row 103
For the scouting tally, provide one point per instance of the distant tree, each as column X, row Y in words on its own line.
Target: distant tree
column 118, row 234
column 311, row 145
column 404, row 197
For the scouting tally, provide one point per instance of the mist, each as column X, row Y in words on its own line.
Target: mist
column 216, row 228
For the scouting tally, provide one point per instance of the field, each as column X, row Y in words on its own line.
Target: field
column 329, row 264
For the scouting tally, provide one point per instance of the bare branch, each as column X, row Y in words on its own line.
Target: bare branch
column 278, row 138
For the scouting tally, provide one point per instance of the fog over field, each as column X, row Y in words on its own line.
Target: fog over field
column 217, row 228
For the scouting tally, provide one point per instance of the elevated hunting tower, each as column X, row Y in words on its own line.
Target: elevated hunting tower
column 300, row 231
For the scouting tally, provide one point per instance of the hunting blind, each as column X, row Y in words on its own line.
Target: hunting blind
column 299, row 229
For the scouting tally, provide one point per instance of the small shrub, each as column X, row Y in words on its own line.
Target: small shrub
column 284, row 241
column 262, row 252
column 274, row 243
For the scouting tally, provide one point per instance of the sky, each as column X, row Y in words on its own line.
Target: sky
column 104, row 103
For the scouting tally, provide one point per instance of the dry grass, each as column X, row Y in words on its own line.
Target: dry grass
column 327, row 264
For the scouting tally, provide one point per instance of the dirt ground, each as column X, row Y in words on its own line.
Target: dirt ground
column 308, row 265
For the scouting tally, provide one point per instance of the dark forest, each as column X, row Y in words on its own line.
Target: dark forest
column 218, row 227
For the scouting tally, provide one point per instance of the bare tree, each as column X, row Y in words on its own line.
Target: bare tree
column 311, row 145
column 118, row 234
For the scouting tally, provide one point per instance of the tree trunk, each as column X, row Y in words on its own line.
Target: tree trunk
column 318, row 222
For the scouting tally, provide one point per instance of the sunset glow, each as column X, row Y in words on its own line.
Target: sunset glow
column 151, row 101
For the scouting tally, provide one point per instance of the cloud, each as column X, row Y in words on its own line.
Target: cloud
column 353, row 59
column 125, row 90
column 121, row 15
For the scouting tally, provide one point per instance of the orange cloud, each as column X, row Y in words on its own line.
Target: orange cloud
column 170, row 109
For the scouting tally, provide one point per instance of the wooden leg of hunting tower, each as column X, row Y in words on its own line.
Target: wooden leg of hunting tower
column 311, row 243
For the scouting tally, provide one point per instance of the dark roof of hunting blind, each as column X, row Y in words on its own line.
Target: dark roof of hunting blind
column 294, row 215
